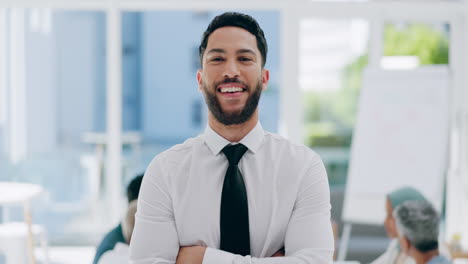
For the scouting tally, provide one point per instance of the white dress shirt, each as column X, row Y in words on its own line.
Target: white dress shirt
column 118, row 255
column 287, row 191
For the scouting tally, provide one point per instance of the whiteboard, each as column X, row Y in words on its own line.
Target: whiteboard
column 400, row 139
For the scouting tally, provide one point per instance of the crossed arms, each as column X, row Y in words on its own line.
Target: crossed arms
column 308, row 237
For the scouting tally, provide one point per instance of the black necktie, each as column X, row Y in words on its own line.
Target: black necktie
column 234, row 206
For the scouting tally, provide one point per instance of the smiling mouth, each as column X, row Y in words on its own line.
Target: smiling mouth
column 231, row 89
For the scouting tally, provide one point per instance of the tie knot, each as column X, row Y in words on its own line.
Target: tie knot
column 234, row 153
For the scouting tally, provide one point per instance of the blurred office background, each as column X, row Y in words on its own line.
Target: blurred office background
column 57, row 85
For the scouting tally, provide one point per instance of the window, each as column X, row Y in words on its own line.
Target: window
column 333, row 55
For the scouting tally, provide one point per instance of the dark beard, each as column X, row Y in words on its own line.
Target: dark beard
column 233, row 118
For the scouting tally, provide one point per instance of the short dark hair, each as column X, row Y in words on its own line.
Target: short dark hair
column 133, row 188
column 235, row 19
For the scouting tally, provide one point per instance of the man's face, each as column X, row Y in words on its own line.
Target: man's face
column 231, row 77
column 389, row 222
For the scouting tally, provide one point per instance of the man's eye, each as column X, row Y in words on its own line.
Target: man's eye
column 245, row 59
column 217, row 59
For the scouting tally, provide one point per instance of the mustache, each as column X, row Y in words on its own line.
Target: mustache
column 231, row 80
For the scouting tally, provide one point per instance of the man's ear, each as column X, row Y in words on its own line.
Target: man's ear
column 265, row 78
column 199, row 79
column 405, row 244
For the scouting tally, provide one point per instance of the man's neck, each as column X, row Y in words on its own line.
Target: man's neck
column 233, row 133
column 423, row 258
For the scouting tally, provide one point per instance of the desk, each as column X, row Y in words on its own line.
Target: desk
column 100, row 139
column 15, row 193
column 460, row 255
column 132, row 139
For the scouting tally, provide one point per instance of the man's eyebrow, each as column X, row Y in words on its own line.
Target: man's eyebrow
column 238, row 52
column 246, row 51
column 216, row 51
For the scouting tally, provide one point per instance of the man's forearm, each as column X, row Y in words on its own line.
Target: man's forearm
column 195, row 254
column 191, row 255
column 304, row 256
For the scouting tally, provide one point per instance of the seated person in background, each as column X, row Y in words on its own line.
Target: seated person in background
column 120, row 253
column 417, row 225
column 117, row 234
column 393, row 255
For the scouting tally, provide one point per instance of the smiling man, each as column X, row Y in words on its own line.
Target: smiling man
column 235, row 194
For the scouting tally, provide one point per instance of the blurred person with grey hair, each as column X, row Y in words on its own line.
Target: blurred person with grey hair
column 393, row 254
column 417, row 225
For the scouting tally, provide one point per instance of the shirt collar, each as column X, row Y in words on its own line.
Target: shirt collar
column 216, row 142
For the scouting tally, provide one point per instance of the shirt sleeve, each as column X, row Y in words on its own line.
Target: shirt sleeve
column 154, row 239
column 309, row 236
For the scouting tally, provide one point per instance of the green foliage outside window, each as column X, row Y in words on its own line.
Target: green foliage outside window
column 330, row 115
column 429, row 45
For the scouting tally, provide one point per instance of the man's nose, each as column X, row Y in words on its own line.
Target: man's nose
column 231, row 70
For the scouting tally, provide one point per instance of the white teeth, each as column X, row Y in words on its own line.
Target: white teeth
column 231, row 89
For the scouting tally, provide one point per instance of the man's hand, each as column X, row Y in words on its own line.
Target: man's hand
column 191, row 255
column 279, row 253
